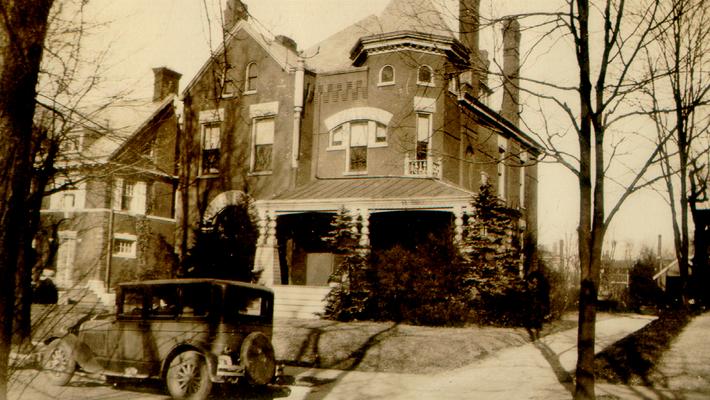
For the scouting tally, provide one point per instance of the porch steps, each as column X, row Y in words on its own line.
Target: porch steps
column 304, row 302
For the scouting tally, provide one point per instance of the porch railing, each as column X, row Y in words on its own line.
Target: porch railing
column 429, row 168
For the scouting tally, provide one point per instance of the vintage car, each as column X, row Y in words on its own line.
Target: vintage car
column 190, row 333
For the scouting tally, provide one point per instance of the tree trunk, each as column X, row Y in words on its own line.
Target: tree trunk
column 23, row 25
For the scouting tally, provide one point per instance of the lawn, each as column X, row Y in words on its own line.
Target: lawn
column 391, row 347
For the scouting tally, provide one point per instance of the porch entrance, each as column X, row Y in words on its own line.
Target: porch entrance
column 304, row 257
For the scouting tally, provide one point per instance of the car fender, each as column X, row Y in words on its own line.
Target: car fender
column 210, row 358
column 82, row 354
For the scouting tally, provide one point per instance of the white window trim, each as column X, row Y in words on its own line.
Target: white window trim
column 203, row 132
column 247, row 89
column 371, row 135
column 358, row 113
column 343, row 143
column 126, row 237
column 430, row 134
column 423, row 83
column 347, row 154
column 252, row 149
column 380, row 83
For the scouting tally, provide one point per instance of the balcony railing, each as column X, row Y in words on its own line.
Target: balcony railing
column 429, row 168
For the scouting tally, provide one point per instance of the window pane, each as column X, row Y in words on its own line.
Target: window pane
column 387, row 74
column 210, row 161
column 424, row 74
column 358, row 158
column 423, row 130
column 337, row 136
column 380, row 133
column 358, row 134
column 262, row 157
column 251, row 77
column 211, row 137
column 264, row 133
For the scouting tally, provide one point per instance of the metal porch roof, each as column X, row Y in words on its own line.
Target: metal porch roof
column 373, row 188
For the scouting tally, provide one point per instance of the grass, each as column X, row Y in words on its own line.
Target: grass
column 631, row 361
column 391, row 347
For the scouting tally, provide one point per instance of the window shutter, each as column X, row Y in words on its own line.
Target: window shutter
column 117, row 194
column 139, row 198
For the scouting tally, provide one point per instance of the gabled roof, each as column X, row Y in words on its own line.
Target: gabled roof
column 119, row 122
column 283, row 55
column 147, row 123
column 420, row 16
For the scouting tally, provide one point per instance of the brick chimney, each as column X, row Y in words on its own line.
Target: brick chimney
column 166, row 82
column 510, row 107
column 234, row 12
column 469, row 26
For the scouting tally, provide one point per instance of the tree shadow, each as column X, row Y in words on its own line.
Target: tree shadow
column 632, row 360
column 563, row 377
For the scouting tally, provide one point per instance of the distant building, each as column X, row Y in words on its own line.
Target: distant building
column 115, row 211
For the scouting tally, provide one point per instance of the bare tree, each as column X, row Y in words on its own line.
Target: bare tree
column 608, row 39
column 678, row 102
column 23, row 25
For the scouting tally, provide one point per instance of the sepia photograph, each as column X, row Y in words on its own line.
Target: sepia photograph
column 354, row 199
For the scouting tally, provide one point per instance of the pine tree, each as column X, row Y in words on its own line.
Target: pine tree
column 491, row 250
column 352, row 290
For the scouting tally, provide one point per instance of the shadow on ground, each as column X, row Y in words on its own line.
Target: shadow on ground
column 631, row 360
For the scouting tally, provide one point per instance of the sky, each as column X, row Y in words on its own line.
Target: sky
column 138, row 35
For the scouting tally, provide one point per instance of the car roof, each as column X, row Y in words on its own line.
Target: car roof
column 182, row 281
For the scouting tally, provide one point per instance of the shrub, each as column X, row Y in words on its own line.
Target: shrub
column 423, row 286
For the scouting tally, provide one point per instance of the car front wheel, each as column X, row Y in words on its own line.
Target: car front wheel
column 58, row 363
column 188, row 377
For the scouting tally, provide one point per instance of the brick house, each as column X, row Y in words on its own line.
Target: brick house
column 115, row 214
column 388, row 118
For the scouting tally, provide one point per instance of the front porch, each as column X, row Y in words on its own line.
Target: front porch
column 297, row 263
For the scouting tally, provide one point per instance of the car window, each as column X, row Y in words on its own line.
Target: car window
column 132, row 302
column 240, row 302
column 164, row 301
column 195, row 300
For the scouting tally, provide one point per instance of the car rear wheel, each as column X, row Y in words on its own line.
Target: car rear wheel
column 58, row 364
column 188, row 377
column 257, row 357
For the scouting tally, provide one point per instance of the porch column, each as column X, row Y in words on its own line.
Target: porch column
column 458, row 224
column 266, row 258
column 365, row 229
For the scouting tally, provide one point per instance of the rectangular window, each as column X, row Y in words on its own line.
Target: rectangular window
column 124, row 246
column 210, row 148
column 423, row 135
column 358, row 146
column 127, row 195
column 263, row 144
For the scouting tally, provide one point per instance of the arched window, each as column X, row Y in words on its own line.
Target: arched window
column 387, row 75
column 356, row 138
column 250, row 78
column 425, row 76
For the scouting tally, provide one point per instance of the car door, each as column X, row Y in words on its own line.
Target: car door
column 125, row 350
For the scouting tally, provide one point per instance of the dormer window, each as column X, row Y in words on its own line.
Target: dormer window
column 386, row 76
column 425, row 76
column 250, row 78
